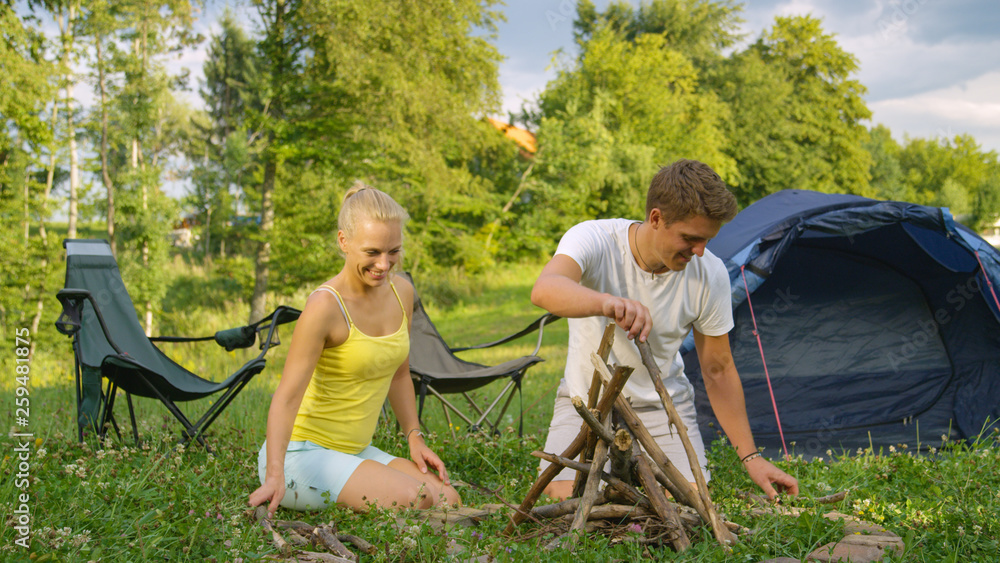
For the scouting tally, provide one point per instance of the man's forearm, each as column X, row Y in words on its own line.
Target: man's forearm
column 725, row 392
column 564, row 297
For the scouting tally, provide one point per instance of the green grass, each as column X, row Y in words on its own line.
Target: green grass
column 119, row 503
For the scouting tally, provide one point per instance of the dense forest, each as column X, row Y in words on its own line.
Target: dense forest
column 315, row 95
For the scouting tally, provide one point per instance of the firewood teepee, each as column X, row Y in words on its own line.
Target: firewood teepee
column 639, row 468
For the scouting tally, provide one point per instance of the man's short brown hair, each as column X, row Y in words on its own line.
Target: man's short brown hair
column 687, row 188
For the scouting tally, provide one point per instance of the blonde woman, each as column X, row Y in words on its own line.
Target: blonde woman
column 349, row 351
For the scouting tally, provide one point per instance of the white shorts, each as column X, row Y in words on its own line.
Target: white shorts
column 566, row 424
column 311, row 471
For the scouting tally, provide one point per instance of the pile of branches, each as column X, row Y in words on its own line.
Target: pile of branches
column 633, row 491
column 301, row 534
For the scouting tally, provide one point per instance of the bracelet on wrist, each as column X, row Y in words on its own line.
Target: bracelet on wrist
column 750, row 456
column 417, row 430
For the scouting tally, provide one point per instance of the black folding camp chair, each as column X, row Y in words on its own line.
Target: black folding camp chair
column 437, row 371
column 109, row 343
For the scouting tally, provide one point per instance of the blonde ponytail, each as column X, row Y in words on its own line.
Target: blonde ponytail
column 365, row 202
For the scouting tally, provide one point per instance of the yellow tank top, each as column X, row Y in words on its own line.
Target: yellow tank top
column 349, row 385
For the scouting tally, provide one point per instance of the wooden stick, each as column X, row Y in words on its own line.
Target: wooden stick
column 260, row 514
column 663, row 508
column 620, row 511
column 296, row 538
column 629, row 491
column 603, row 351
column 599, row 429
column 721, row 532
column 357, row 542
column 678, row 483
column 326, row 536
column 590, row 491
column 613, row 388
column 556, row 510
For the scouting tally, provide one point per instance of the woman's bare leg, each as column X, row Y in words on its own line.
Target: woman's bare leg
column 398, row 484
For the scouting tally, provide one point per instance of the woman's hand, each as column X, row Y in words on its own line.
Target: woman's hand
column 272, row 490
column 424, row 457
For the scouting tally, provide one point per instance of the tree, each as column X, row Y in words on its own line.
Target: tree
column 953, row 173
column 26, row 87
column 698, row 29
column 148, row 127
column 797, row 113
column 227, row 147
column 887, row 180
column 279, row 53
column 606, row 122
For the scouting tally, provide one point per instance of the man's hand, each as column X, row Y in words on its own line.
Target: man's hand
column 771, row 479
column 633, row 317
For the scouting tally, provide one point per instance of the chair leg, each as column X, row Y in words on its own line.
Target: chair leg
column 484, row 414
column 109, row 413
column 451, row 406
column 131, row 414
column 447, row 417
column 189, row 430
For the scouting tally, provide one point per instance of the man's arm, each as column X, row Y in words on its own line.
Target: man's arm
column 725, row 392
column 558, row 291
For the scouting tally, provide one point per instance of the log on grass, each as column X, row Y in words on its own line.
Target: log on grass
column 327, row 537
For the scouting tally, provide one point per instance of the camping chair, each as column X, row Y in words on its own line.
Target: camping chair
column 436, row 370
column 108, row 342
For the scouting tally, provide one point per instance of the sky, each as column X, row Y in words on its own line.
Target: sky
column 931, row 67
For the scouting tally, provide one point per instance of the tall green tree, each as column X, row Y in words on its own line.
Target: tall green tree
column 225, row 154
column 887, row 181
column 796, row 113
column 280, row 55
column 701, row 30
column 148, row 127
column 954, row 173
column 27, row 81
column 628, row 103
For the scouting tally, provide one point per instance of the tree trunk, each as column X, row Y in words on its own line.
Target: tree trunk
column 66, row 27
column 281, row 64
column 105, row 173
column 43, row 233
column 258, row 302
column 74, row 164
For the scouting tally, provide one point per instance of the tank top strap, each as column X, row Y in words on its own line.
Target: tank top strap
column 340, row 301
column 398, row 299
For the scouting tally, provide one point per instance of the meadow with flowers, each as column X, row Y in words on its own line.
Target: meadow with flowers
column 118, row 501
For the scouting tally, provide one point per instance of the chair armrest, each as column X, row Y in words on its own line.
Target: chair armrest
column 270, row 323
column 538, row 324
column 70, row 321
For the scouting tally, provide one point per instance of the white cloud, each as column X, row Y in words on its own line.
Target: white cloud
column 971, row 107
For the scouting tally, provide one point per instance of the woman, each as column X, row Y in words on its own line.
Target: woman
column 350, row 350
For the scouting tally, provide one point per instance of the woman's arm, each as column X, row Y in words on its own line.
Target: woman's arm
column 308, row 340
column 403, row 400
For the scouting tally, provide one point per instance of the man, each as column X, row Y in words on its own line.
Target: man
column 658, row 283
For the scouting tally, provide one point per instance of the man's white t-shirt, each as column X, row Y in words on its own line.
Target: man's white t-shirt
column 696, row 297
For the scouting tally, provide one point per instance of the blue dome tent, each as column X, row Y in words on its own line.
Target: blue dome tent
column 878, row 323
